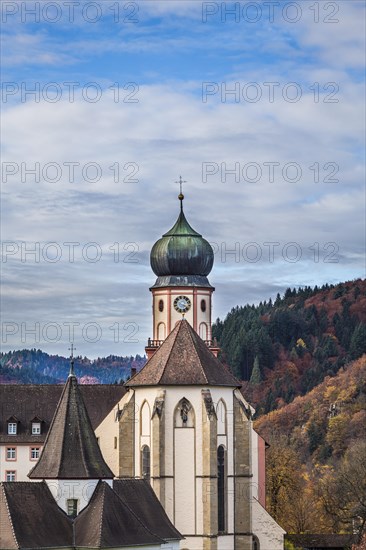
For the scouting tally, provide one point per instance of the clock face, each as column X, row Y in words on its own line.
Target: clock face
column 182, row 304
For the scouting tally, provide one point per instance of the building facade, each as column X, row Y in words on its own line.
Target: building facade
column 176, row 445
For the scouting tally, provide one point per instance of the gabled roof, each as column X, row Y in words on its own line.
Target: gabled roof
column 140, row 497
column 108, row 522
column 183, row 359
column 71, row 450
column 31, row 517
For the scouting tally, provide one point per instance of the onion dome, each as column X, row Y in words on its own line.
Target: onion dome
column 182, row 256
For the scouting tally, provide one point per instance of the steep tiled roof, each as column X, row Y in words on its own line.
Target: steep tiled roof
column 30, row 517
column 71, row 450
column 140, row 497
column 108, row 522
column 183, row 359
column 26, row 401
column 129, row 515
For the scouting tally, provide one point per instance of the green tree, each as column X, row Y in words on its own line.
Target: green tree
column 358, row 341
column 256, row 377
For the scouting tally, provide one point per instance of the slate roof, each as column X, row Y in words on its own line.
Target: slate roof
column 183, row 359
column 71, row 450
column 26, row 401
column 140, row 497
column 108, row 522
column 30, row 517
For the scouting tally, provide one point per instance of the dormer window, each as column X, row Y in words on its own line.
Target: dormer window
column 12, row 423
column 36, row 428
column 36, row 425
column 12, row 428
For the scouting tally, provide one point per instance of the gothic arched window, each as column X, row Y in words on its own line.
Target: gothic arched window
column 255, row 544
column 145, row 420
column 221, row 418
column 221, row 489
column 145, row 462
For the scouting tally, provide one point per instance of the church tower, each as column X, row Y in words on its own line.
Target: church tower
column 184, row 424
column 181, row 259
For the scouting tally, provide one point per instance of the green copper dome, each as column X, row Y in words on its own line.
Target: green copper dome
column 182, row 252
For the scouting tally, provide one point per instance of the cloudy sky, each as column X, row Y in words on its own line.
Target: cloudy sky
column 258, row 105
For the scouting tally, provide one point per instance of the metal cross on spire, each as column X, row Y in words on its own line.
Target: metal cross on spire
column 72, row 349
column 181, row 196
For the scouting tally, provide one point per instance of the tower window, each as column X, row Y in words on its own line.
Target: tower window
column 203, row 330
column 221, row 489
column 203, row 305
column 161, row 305
column 145, row 462
column 72, row 507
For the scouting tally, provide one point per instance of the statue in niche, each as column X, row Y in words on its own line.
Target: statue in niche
column 184, row 410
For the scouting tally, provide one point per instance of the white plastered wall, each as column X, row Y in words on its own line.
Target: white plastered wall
column 79, row 489
column 22, row 465
column 269, row 533
column 108, row 438
column 182, row 483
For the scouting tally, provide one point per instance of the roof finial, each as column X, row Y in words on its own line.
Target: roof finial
column 72, row 348
column 181, row 196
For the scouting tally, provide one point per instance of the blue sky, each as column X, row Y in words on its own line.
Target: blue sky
column 261, row 111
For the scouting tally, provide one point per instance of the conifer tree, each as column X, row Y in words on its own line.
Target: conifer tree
column 256, row 377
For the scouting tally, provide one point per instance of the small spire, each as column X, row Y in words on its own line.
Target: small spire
column 72, row 348
column 181, row 196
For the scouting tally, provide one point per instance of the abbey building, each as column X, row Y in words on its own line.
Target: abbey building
column 175, row 464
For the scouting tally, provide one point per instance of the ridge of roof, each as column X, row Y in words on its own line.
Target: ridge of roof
column 183, row 359
column 71, row 450
column 171, row 349
column 33, row 528
column 8, row 514
column 198, row 357
column 146, row 506
column 117, row 525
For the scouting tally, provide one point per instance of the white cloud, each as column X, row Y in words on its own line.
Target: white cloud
column 169, row 132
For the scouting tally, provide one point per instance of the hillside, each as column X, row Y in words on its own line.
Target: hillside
column 318, row 449
column 36, row 367
column 284, row 349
